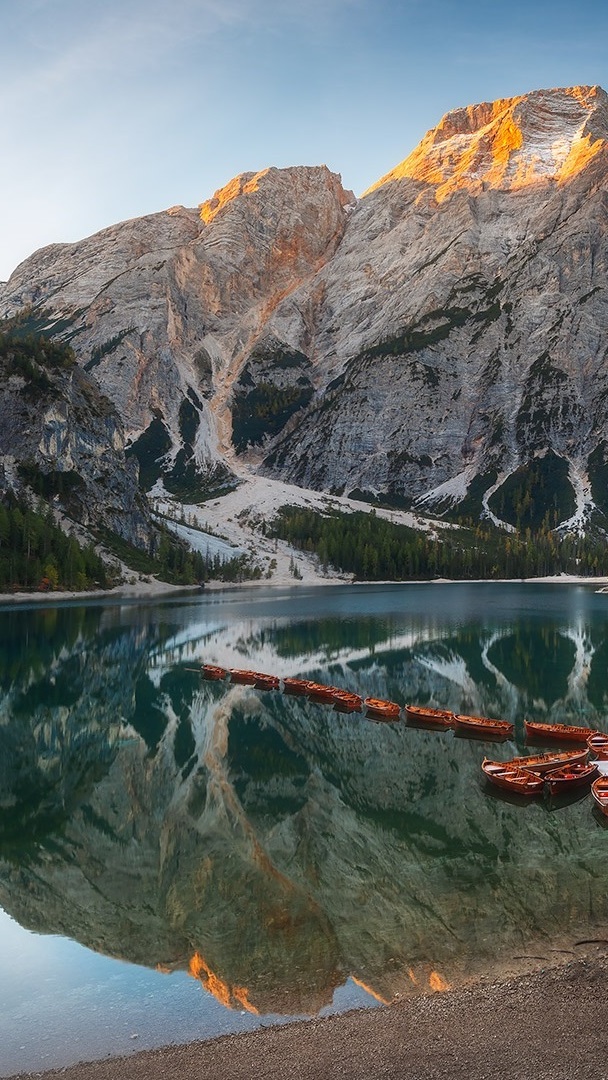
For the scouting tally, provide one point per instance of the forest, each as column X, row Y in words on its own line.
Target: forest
column 173, row 561
column 375, row 549
column 36, row 554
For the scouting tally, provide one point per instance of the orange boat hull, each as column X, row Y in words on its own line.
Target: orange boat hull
column 561, row 732
column 483, row 725
column 598, row 744
column 508, row 778
column 297, row 687
column 213, row 672
column 599, row 791
column 418, row 714
column 246, row 678
column 267, row 682
column 319, row 692
column 378, row 709
column 542, row 763
column 570, row 776
column 346, row 702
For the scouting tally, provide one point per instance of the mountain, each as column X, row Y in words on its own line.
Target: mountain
column 168, row 311
column 468, row 359
column 439, row 343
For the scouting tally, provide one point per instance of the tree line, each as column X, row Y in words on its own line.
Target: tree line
column 375, row 549
column 36, row 554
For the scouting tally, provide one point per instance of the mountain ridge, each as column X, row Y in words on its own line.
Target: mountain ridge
column 422, row 346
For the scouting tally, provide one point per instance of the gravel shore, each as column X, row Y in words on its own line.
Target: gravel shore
column 550, row 1025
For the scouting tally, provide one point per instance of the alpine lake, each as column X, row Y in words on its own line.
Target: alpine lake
column 181, row 858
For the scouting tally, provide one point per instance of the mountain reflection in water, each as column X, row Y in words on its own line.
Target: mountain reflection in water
column 271, row 847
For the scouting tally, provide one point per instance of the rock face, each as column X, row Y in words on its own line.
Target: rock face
column 61, row 439
column 166, row 310
column 440, row 342
column 469, row 345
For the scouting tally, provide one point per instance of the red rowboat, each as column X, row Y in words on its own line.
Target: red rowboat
column 213, row 672
column 599, row 790
column 483, row 725
column 240, row 675
column 557, row 731
column 570, row 776
column 297, row 687
column 266, row 682
column 345, row 701
column 542, row 763
column 420, row 714
column 598, row 744
column 509, row 778
column 379, row 709
column 321, row 693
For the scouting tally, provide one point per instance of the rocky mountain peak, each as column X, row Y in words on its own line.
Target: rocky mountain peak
column 244, row 184
column 511, row 143
column 270, row 183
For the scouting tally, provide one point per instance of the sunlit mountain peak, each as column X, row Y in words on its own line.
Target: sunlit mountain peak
column 244, row 184
column 509, row 144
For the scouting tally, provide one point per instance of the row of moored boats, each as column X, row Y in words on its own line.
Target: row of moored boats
column 557, row 772
column 342, row 700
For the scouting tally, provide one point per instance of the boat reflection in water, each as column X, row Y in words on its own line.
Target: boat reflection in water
column 272, row 847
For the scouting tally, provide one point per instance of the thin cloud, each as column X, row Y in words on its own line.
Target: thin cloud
column 59, row 45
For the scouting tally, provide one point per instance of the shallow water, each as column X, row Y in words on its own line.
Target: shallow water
column 179, row 858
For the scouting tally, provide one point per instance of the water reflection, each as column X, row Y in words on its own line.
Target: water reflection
column 271, row 847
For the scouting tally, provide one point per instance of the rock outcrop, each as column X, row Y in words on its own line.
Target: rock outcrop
column 62, row 441
column 440, row 342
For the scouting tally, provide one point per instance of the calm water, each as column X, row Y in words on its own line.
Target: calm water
column 180, row 858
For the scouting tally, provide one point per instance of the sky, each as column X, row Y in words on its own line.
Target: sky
column 119, row 108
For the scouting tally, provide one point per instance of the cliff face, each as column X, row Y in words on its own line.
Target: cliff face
column 62, row 439
column 470, row 340
column 442, row 339
column 166, row 310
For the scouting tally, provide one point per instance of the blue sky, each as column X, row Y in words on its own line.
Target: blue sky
column 126, row 107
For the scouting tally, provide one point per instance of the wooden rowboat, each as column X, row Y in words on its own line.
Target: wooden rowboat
column 567, row 732
column 321, row 693
column 213, row 672
column 347, row 702
column 570, row 776
column 599, row 791
column 509, row 778
column 266, row 682
column 297, row 687
column 379, row 709
column 542, row 763
column 241, row 675
column 421, row 714
column 598, row 744
column 483, row 725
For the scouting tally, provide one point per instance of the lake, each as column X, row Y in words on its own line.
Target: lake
column 180, row 859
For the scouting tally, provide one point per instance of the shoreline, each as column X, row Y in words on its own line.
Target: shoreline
column 142, row 590
column 549, row 1023
column 139, row 590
